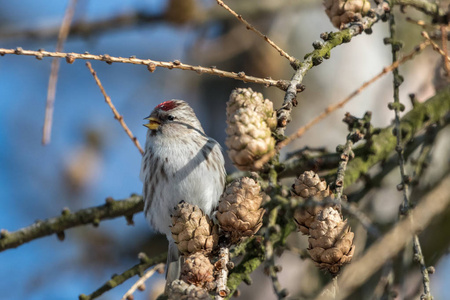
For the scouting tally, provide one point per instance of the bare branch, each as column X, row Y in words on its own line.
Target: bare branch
column 442, row 52
column 51, row 91
column 222, row 291
column 357, row 132
column 362, row 218
column 270, row 268
column 445, row 50
column 116, row 280
column 405, row 207
column 158, row 268
column 117, row 116
column 420, row 23
column 436, row 46
column 93, row 215
column 151, row 65
column 252, row 28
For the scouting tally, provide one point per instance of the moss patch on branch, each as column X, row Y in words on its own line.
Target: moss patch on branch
column 93, row 215
column 431, row 111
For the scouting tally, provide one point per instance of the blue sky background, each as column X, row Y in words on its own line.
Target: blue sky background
column 32, row 181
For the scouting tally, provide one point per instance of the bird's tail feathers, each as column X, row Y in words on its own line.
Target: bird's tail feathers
column 173, row 266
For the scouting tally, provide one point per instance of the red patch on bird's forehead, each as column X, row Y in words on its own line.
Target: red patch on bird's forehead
column 167, row 105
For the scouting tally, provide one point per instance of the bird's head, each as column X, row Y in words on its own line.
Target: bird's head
column 173, row 117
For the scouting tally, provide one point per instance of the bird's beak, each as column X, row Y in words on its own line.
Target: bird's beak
column 153, row 123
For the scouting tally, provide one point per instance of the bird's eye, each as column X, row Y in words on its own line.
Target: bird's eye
column 170, row 118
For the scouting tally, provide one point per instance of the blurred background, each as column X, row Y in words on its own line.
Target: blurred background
column 90, row 157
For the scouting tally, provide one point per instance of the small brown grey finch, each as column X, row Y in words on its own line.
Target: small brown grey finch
column 180, row 163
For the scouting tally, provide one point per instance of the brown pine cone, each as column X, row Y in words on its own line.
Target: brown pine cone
column 180, row 290
column 197, row 270
column 192, row 230
column 247, row 98
column 240, row 213
column 250, row 120
column 342, row 12
column 331, row 241
column 309, row 185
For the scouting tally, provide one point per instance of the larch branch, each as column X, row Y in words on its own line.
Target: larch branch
column 158, row 268
column 116, row 280
column 93, row 215
column 151, row 65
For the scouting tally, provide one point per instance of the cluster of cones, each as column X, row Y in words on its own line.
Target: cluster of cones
column 330, row 238
column 251, row 121
column 239, row 215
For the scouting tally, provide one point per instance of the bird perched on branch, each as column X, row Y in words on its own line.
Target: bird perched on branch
column 180, row 163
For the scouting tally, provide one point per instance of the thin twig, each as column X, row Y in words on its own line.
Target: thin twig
column 346, row 154
column 151, row 65
column 51, row 91
column 444, row 49
column 359, row 129
column 333, row 107
column 397, row 107
column 361, row 217
column 419, row 258
column 116, row 280
column 252, row 28
column 405, row 180
column 222, row 291
column 117, row 116
column 270, row 268
column 420, row 23
column 158, row 268
column 436, row 47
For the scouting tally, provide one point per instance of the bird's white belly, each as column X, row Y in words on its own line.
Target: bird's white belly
column 182, row 177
